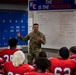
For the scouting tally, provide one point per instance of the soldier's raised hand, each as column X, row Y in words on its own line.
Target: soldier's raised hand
column 18, row 34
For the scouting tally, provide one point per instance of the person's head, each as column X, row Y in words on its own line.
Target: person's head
column 42, row 64
column 73, row 49
column 12, row 42
column 42, row 54
column 35, row 27
column 64, row 52
column 18, row 58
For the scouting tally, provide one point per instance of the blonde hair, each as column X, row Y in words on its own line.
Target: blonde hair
column 18, row 58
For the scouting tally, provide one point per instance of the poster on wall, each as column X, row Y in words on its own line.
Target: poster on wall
column 12, row 22
column 51, row 4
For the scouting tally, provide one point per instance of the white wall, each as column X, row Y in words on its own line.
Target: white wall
column 13, row 7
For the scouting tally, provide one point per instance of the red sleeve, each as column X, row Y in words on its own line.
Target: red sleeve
column 1, row 73
column 29, row 68
column 6, row 54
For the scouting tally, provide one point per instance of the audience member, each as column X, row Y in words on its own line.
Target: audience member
column 62, row 65
column 7, row 53
column 1, row 65
column 2, row 61
column 1, row 73
column 73, row 52
column 42, row 54
column 16, row 66
column 41, row 65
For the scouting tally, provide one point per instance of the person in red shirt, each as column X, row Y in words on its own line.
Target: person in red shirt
column 7, row 53
column 41, row 65
column 17, row 66
column 1, row 73
column 62, row 65
column 73, row 52
column 2, row 61
column 1, row 65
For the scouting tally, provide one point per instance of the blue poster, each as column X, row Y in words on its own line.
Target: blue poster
column 51, row 4
column 12, row 22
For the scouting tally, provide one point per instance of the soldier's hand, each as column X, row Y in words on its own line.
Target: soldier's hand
column 18, row 34
column 40, row 39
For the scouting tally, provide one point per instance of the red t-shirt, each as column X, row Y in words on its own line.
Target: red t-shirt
column 9, row 69
column 61, row 66
column 38, row 73
column 1, row 63
column 1, row 73
column 7, row 54
column 73, row 57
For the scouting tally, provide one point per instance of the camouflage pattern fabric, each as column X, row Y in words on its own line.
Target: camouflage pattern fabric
column 34, row 44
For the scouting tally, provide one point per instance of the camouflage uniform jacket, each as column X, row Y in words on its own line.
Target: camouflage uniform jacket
column 34, row 44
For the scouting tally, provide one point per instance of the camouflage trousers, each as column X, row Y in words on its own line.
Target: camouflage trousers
column 32, row 55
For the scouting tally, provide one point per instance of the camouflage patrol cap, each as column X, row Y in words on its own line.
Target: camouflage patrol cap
column 12, row 42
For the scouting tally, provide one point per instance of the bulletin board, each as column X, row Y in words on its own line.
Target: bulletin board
column 12, row 22
column 59, row 28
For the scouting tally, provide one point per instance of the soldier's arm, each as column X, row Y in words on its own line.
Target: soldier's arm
column 26, row 38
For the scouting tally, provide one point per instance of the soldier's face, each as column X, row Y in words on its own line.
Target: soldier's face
column 35, row 28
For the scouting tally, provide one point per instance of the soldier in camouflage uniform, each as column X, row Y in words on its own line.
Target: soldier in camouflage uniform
column 36, row 39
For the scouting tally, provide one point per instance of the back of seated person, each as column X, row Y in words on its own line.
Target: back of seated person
column 41, row 66
column 1, row 65
column 16, row 66
column 2, row 61
column 42, row 54
column 73, row 52
column 62, row 65
column 7, row 53
column 1, row 72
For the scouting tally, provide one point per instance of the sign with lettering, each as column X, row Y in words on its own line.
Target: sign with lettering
column 51, row 4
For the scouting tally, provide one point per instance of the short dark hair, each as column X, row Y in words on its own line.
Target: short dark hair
column 43, row 54
column 42, row 63
column 73, row 49
column 64, row 52
column 12, row 42
column 35, row 24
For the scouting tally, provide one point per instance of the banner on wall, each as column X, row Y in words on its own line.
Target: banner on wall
column 51, row 4
column 12, row 22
